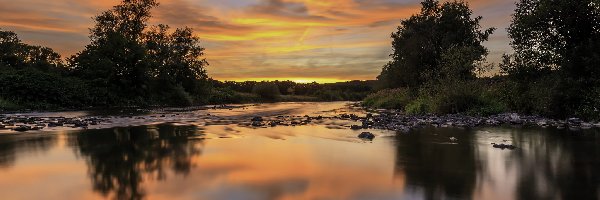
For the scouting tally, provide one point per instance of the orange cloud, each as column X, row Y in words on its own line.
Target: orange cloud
column 248, row 39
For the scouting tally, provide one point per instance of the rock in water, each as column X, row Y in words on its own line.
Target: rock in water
column 22, row 128
column 257, row 119
column 355, row 127
column 257, row 123
column 503, row 146
column 366, row 136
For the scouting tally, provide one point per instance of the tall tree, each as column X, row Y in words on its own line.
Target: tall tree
column 558, row 38
column 442, row 41
column 555, row 35
column 116, row 59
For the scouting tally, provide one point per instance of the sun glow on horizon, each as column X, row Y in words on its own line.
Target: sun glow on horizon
column 296, row 80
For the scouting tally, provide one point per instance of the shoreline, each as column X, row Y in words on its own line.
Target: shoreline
column 381, row 119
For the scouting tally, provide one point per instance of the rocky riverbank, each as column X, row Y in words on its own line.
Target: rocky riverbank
column 397, row 121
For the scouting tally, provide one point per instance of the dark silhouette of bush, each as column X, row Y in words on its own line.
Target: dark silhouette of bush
column 267, row 90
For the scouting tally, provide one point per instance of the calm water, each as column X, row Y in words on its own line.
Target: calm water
column 192, row 156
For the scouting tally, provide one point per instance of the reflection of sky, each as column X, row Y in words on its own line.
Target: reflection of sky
column 335, row 39
column 313, row 162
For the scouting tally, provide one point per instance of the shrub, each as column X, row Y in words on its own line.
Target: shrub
column 7, row 105
column 471, row 97
column 42, row 90
column 267, row 90
column 389, row 99
column 419, row 106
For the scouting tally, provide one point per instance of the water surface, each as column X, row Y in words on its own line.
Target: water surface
column 211, row 154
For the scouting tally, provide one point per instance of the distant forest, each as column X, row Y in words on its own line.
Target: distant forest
column 437, row 66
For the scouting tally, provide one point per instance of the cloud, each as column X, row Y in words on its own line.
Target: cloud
column 335, row 39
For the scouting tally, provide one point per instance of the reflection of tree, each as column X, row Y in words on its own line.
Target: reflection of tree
column 12, row 145
column 120, row 159
column 556, row 163
column 430, row 162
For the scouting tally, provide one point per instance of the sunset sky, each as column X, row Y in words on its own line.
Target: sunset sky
column 300, row 40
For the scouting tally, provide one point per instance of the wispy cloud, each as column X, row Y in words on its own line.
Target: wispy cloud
column 250, row 39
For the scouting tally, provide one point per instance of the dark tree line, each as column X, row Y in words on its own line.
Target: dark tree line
column 438, row 58
column 127, row 63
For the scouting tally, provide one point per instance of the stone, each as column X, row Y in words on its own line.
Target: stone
column 257, row 123
column 366, row 136
column 503, row 146
column 22, row 128
column 257, row 119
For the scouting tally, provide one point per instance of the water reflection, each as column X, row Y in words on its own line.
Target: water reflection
column 12, row 146
column 317, row 161
column 435, row 166
column 121, row 159
column 557, row 164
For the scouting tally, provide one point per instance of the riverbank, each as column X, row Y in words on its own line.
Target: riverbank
column 341, row 115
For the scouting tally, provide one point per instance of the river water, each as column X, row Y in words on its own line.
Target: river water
column 214, row 154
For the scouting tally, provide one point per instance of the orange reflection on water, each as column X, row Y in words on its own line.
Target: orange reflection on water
column 295, row 167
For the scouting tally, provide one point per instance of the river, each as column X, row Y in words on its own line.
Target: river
column 218, row 154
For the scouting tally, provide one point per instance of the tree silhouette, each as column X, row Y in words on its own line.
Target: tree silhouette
column 442, row 41
column 120, row 159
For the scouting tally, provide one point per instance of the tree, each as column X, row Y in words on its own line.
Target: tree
column 558, row 40
column 442, row 41
column 116, row 60
column 176, row 56
column 18, row 55
column 127, row 60
column 555, row 35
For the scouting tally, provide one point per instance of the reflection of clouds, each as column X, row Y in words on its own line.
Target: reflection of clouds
column 276, row 189
column 259, row 38
column 14, row 146
column 257, row 167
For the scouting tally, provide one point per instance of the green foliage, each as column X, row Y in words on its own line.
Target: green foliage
column 471, row 97
column 267, row 90
column 389, row 99
column 129, row 64
column 7, row 105
column 554, row 70
column 41, row 90
column 224, row 95
column 419, row 106
column 442, row 40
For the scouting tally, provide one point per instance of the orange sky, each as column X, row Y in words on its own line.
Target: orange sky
column 301, row 40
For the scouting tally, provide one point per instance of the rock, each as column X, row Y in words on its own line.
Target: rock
column 257, row 123
column 586, row 125
column 55, row 124
column 257, row 119
column 366, row 136
column 2, row 126
column 503, row 146
column 453, row 139
column 355, row 127
column 22, row 128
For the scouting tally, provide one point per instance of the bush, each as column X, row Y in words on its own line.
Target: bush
column 267, row 90
column 7, row 105
column 43, row 90
column 419, row 106
column 389, row 99
column 472, row 97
